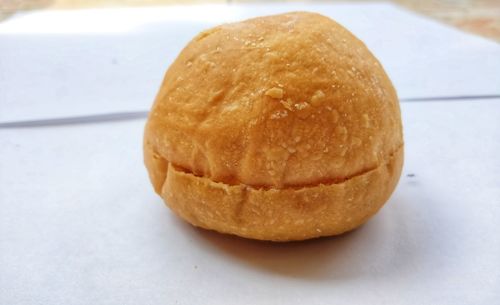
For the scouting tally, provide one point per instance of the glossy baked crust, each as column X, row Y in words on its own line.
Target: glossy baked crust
column 283, row 127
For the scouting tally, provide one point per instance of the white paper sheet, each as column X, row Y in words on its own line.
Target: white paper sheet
column 80, row 224
column 66, row 63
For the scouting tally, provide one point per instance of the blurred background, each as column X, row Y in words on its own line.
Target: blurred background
column 481, row 17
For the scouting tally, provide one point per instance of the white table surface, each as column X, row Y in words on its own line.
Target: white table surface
column 80, row 224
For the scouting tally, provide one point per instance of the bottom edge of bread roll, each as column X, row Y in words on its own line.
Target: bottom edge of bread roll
column 281, row 214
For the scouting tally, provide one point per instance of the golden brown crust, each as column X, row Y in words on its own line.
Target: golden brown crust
column 278, row 103
column 281, row 214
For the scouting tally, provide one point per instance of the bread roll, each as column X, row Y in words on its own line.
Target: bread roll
column 277, row 128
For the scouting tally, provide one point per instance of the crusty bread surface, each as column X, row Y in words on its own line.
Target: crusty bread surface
column 282, row 127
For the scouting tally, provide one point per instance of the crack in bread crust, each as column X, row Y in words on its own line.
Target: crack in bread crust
column 281, row 214
column 325, row 182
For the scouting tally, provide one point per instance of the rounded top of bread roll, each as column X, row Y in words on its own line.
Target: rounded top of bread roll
column 289, row 100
